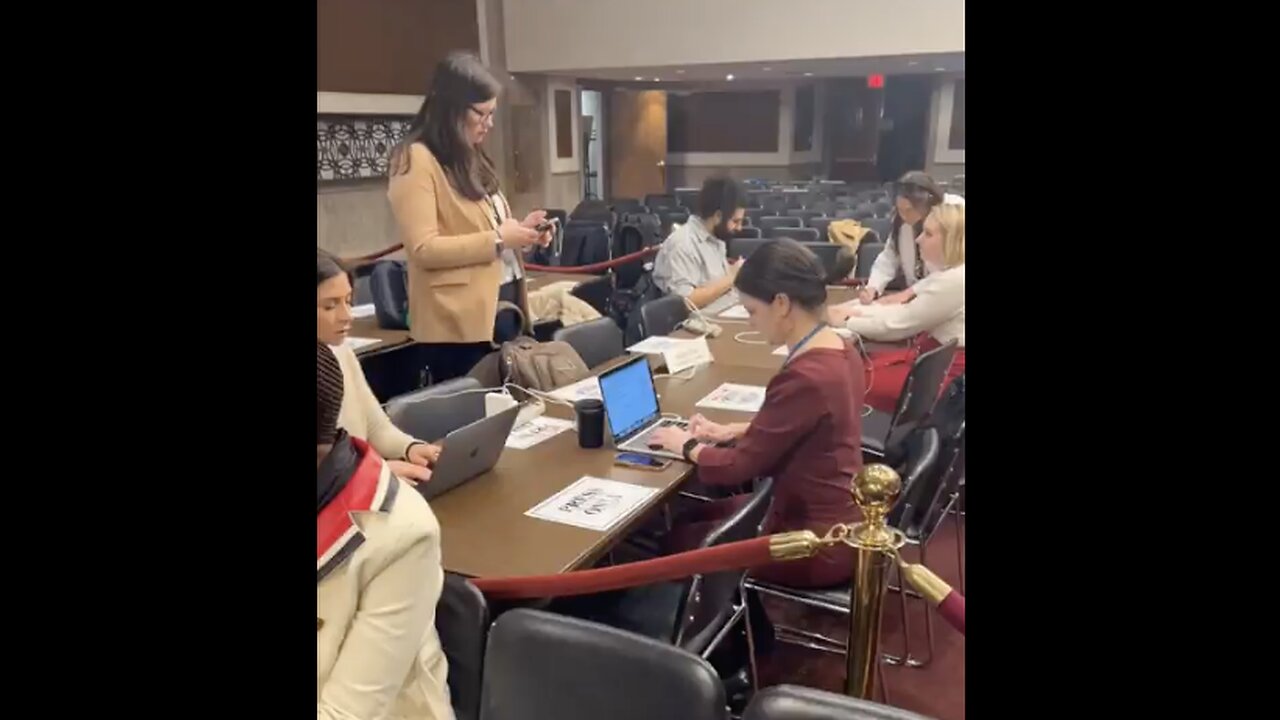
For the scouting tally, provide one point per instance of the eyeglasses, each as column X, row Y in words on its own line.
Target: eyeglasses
column 484, row 116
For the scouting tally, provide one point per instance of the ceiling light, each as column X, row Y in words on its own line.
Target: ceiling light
column 679, row 72
column 939, row 69
column 913, row 63
column 638, row 78
column 657, row 79
column 766, row 69
column 808, row 74
column 729, row 76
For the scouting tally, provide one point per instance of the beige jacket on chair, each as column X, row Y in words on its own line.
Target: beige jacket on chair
column 377, row 652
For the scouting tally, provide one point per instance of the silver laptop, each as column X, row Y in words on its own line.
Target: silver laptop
column 469, row 451
column 631, row 407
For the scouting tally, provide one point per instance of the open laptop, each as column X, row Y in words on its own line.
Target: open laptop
column 631, row 407
column 469, row 451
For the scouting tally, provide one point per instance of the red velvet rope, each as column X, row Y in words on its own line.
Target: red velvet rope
column 741, row 554
column 576, row 270
column 951, row 609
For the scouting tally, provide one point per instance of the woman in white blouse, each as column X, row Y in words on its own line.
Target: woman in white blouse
column 934, row 315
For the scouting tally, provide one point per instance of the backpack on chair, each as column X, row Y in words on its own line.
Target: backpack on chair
column 530, row 364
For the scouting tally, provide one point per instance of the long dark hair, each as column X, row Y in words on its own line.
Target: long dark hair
column 461, row 81
column 784, row 267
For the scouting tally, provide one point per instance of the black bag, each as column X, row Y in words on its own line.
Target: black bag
column 636, row 231
column 586, row 242
column 626, row 304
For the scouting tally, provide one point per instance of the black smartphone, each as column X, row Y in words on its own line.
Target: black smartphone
column 545, row 225
column 641, row 461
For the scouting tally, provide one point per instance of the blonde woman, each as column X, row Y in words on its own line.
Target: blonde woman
column 935, row 315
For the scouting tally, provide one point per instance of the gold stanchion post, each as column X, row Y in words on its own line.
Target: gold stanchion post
column 875, row 490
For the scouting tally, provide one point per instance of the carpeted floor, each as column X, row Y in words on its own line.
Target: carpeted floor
column 936, row 690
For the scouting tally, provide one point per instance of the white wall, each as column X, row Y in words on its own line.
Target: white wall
column 560, row 35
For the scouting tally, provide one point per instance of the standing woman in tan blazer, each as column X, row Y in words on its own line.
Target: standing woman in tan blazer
column 464, row 247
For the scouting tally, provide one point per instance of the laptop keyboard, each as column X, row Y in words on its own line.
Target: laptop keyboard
column 642, row 440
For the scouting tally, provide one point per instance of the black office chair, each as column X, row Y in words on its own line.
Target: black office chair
column 662, row 316
column 597, row 341
column 821, row 224
column 799, row 234
column 747, row 232
column 595, row 291
column 867, row 254
column 828, row 253
column 656, row 201
column 806, row 215
column 826, row 206
column 462, row 622
column 883, row 208
column 389, row 287
column 770, row 222
column 700, row 612
column 796, row 702
column 915, row 403
column 863, row 212
column 435, row 411
column 687, row 198
column 543, row 666
column 742, row 247
column 917, row 463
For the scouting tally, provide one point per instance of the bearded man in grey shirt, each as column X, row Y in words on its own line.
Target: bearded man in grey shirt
column 693, row 262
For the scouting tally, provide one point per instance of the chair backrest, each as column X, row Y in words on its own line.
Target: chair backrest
column 755, row 215
column 915, row 459
column 595, row 291
column 820, row 224
column 921, row 388
column 362, row 293
column 862, row 212
column 827, row 252
column 654, row 201
column 388, row 285
column 867, row 254
column 883, row 208
column 769, row 222
column 932, row 502
column 747, row 232
column 462, row 622
column 544, row 666
column 742, row 247
column 687, row 198
column 708, row 599
column 799, row 234
column 795, row 702
column 435, row 411
column 881, row 226
column 661, row 316
column 805, row 214
column 597, row 341
column 670, row 217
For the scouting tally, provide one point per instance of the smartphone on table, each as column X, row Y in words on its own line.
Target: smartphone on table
column 640, row 461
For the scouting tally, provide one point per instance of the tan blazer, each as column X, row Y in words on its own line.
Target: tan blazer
column 454, row 266
column 377, row 652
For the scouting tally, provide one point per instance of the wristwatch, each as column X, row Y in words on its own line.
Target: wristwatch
column 687, row 450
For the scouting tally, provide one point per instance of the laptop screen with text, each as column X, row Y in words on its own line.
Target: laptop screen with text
column 630, row 402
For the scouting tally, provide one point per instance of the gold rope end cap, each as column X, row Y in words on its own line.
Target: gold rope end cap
column 795, row 545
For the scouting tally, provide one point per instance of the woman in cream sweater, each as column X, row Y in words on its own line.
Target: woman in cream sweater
column 378, row 579
column 464, row 247
column 362, row 416
column 934, row 315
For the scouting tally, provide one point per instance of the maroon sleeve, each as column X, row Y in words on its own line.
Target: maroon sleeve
column 789, row 412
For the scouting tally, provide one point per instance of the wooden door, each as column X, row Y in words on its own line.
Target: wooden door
column 637, row 143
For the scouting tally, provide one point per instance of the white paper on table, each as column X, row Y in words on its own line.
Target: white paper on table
column 657, row 344
column 363, row 311
column 535, row 431
column 737, row 312
column 731, row 396
column 581, row 390
column 593, row 503
column 355, row 343
column 782, row 350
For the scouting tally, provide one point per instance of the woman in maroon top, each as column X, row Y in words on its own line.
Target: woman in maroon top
column 808, row 434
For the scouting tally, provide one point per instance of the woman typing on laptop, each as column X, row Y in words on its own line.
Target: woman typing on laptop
column 807, row 435
column 362, row 416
